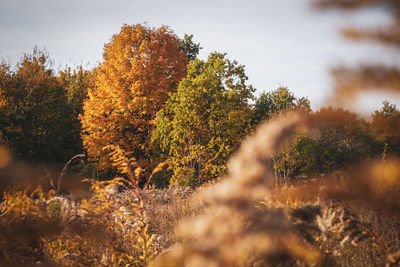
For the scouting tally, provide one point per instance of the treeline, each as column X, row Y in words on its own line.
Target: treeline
column 161, row 107
column 39, row 109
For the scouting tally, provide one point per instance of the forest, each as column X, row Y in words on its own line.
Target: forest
column 156, row 157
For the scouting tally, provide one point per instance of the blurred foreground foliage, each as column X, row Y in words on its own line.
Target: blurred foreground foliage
column 243, row 220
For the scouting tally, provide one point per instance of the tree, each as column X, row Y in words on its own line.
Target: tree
column 299, row 155
column 205, row 120
column 141, row 67
column 76, row 84
column 345, row 139
column 35, row 116
column 338, row 139
column 386, row 126
column 281, row 99
column 190, row 48
column 5, row 84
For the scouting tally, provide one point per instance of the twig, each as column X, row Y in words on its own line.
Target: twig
column 64, row 170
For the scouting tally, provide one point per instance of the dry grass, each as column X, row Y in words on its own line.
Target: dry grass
column 349, row 218
column 311, row 226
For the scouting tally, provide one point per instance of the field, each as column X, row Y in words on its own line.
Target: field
column 346, row 219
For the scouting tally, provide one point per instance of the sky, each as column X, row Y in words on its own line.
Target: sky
column 281, row 43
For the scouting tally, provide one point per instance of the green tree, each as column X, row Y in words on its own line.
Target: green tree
column 345, row 139
column 190, row 48
column 297, row 156
column 35, row 116
column 76, row 83
column 273, row 102
column 339, row 139
column 205, row 120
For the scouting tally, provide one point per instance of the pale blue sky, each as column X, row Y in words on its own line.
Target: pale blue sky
column 281, row 42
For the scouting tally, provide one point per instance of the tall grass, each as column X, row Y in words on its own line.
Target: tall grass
column 249, row 222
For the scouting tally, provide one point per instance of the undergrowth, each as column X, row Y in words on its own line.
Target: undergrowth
column 349, row 218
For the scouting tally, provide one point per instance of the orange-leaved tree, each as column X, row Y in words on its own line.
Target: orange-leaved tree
column 141, row 66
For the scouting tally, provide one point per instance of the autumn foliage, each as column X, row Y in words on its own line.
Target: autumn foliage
column 141, row 67
column 264, row 183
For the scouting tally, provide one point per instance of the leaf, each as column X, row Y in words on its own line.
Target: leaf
column 131, row 85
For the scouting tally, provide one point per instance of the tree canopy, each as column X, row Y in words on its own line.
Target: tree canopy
column 190, row 48
column 386, row 125
column 35, row 116
column 140, row 67
column 204, row 121
column 273, row 102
